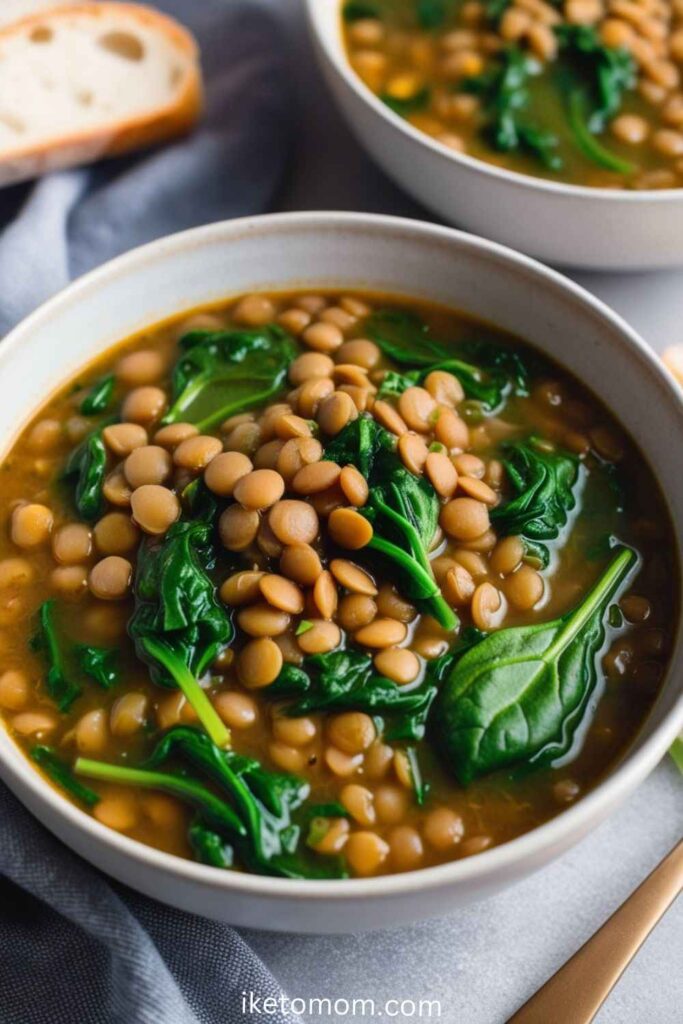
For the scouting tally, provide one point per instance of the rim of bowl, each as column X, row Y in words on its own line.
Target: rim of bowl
column 319, row 14
column 577, row 819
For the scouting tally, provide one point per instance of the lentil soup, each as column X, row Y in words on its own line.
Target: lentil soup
column 586, row 92
column 328, row 585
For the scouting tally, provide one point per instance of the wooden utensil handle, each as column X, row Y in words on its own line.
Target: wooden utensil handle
column 577, row 991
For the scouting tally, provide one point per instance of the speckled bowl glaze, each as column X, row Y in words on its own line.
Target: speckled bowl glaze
column 570, row 225
column 353, row 252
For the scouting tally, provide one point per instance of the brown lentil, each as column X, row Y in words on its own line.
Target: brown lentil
column 225, row 471
column 319, row 637
column 354, row 611
column 259, row 663
column 294, row 522
column 124, row 438
column 154, row 508
column 352, row 577
column 398, row 664
column 281, row 593
column 349, row 529
column 381, row 633
column 115, row 534
column 301, row 563
column 71, row 544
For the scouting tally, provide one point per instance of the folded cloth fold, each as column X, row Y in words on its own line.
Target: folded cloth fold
column 76, row 946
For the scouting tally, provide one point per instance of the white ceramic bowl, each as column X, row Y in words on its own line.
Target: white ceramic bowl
column 354, row 252
column 570, row 225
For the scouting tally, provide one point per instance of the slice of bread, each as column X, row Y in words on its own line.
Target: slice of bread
column 81, row 81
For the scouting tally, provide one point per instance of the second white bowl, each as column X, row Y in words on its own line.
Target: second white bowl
column 601, row 229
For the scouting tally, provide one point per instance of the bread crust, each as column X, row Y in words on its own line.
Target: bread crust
column 176, row 118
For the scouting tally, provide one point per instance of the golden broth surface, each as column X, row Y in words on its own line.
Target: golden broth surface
column 618, row 497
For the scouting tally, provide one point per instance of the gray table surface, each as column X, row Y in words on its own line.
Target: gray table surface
column 484, row 961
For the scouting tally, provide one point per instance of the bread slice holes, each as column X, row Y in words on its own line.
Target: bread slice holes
column 41, row 34
column 123, row 44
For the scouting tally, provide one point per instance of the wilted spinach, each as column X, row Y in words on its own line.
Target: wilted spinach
column 100, row 664
column 210, row 847
column 403, row 510
column 178, row 625
column 264, row 801
column 222, row 372
column 543, row 481
column 85, row 471
column 359, row 10
column 432, row 14
column 504, row 92
column 254, row 816
column 71, row 664
column 593, row 78
column 520, row 694
column 488, row 372
column 99, row 397
column 60, row 684
column 60, row 773
column 215, row 812
column 346, row 680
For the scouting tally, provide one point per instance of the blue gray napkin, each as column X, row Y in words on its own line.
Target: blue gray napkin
column 75, row 946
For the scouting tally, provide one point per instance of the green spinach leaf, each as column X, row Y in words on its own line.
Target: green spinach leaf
column 178, row 625
column 223, row 372
column 99, row 397
column 264, row 801
column 209, row 847
column 60, row 773
column 217, row 814
column 433, row 14
column 593, row 78
column 420, row 786
column 394, row 384
column 403, row 509
column 504, row 92
column 100, row 664
column 544, row 482
column 520, row 694
column 85, row 470
column 405, row 338
column 488, row 372
column 346, row 680
column 60, row 684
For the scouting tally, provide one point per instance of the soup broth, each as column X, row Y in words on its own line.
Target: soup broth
column 581, row 92
column 251, row 566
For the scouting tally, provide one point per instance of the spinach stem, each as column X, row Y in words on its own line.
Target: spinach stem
column 443, row 612
column 588, row 142
column 608, row 582
column 182, row 787
column 205, row 710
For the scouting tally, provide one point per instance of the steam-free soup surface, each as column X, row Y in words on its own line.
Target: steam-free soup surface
column 581, row 91
column 250, row 568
